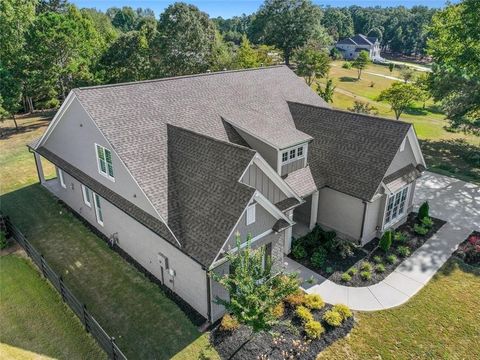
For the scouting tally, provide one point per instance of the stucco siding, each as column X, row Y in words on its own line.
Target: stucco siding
column 269, row 153
column 340, row 212
column 74, row 138
column 373, row 219
column 142, row 244
column 256, row 178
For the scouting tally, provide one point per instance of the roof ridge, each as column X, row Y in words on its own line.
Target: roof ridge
column 374, row 117
column 213, row 139
column 179, row 77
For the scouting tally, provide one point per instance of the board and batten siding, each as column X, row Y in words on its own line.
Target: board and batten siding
column 268, row 152
column 256, row 178
column 141, row 244
column 74, row 138
column 292, row 166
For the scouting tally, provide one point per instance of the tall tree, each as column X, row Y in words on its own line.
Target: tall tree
column 454, row 43
column 327, row 92
column 246, row 56
column 338, row 22
column 51, row 6
column 400, row 96
column 312, row 64
column 361, row 62
column 187, row 37
column 125, row 19
column 286, row 24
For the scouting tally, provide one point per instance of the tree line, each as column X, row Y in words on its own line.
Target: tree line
column 49, row 47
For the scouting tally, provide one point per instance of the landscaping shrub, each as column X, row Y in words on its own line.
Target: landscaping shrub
column 403, row 251
column 295, row 299
column 299, row 252
column 377, row 259
column 392, row 259
column 469, row 251
column 352, row 271
column 318, row 258
column 366, row 275
column 329, row 270
column 332, row 318
column 427, row 222
column 400, row 236
column 346, row 277
column 366, row 266
column 423, row 211
column 420, row 230
column 304, row 314
column 3, row 240
column 314, row 302
column 386, row 241
column 314, row 329
column 343, row 247
column 278, row 310
column 347, row 65
column 379, row 268
column 229, row 323
column 343, row 310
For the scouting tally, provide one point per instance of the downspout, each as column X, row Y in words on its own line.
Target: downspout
column 363, row 221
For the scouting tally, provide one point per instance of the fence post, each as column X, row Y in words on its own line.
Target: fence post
column 61, row 288
column 42, row 266
column 85, row 317
column 114, row 353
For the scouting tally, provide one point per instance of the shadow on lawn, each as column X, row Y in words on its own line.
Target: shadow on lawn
column 10, row 131
column 144, row 320
column 347, row 79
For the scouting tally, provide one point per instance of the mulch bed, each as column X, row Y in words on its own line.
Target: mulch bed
column 285, row 340
column 469, row 250
column 336, row 265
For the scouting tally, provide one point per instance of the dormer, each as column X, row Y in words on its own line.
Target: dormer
column 292, row 158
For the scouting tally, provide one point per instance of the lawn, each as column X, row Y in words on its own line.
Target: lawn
column 144, row 321
column 446, row 152
column 35, row 322
column 441, row 322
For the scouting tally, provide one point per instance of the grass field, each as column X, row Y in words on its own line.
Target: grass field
column 35, row 324
column 441, row 322
column 446, row 152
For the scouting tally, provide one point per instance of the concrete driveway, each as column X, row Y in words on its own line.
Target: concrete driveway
column 450, row 199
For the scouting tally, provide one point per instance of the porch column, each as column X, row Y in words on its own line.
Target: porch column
column 288, row 235
column 314, row 210
column 38, row 163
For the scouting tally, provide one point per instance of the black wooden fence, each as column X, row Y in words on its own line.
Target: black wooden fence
column 91, row 325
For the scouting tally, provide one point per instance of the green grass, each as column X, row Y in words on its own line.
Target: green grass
column 446, row 152
column 144, row 321
column 35, row 322
column 441, row 322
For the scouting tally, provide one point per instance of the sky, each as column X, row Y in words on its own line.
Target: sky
column 229, row 8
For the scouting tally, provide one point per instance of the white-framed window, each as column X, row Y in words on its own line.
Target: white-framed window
column 87, row 196
column 290, row 155
column 396, row 206
column 98, row 209
column 61, row 178
column 104, row 162
column 251, row 214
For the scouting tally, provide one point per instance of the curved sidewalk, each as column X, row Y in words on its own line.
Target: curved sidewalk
column 450, row 199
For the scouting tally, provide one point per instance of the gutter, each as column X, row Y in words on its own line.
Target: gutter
column 363, row 221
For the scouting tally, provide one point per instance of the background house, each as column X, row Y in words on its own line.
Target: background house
column 351, row 47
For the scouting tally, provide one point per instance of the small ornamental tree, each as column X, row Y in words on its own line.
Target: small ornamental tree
column 361, row 62
column 423, row 211
column 391, row 66
column 253, row 288
column 327, row 92
column 386, row 241
column 400, row 96
column 312, row 64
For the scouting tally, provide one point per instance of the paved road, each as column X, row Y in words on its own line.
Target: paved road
column 450, row 199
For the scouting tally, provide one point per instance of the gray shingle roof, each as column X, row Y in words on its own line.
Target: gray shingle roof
column 352, row 152
column 205, row 197
column 287, row 204
column 133, row 116
column 303, row 182
column 401, row 177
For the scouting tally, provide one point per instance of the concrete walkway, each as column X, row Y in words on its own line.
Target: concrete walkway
column 450, row 199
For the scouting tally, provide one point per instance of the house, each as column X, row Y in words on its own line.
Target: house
column 351, row 47
column 172, row 169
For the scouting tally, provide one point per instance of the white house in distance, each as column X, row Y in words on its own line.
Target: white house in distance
column 351, row 47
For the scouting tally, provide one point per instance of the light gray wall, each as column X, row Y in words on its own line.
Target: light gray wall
column 292, row 166
column 263, row 222
column 373, row 218
column 402, row 158
column 269, row 153
column 142, row 244
column 74, row 138
column 340, row 212
column 256, row 178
